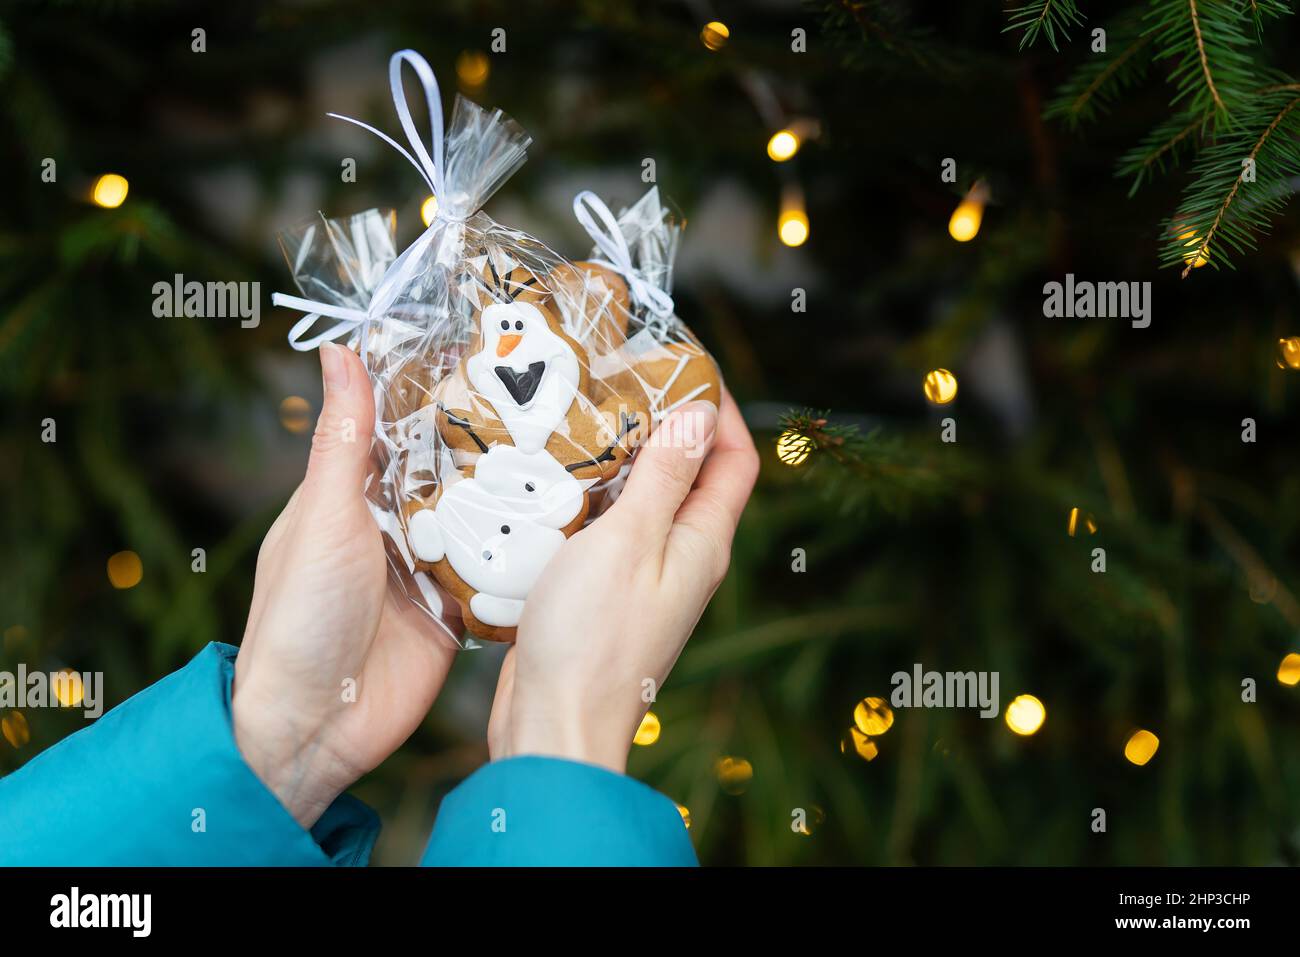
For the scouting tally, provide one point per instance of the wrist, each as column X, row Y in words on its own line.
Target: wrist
column 568, row 736
column 288, row 756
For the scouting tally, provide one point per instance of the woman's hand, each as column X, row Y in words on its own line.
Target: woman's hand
column 605, row 623
column 335, row 670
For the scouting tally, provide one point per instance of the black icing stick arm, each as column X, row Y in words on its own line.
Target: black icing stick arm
column 464, row 424
column 628, row 423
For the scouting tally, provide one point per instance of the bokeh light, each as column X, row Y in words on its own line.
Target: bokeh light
column 873, row 717
column 295, row 414
column 1141, row 747
column 1025, row 715
column 1288, row 672
column 733, row 774
column 125, row 569
column 940, row 386
column 648, row 733
column 715, row 34
column 110, row 190
column 793, row 448
column 783, row 145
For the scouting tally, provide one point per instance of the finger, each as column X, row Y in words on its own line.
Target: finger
column 712, row 511
column 499, row 720
column 340, row 447
column 666, row 467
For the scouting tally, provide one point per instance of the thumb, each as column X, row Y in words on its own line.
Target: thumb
column 340, row 447
column 666, row 466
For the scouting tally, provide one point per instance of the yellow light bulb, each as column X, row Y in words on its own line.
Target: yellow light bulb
column 648, row 733
column 68, row 688
column 110, row 191
column 125, row 570
column 1288, row 353
column 15, row 729
column 429, row 209
column 714, row 35
column 295, row 414
column 793, row 448
column 965, row 222
column 733, row 774
column 783, row 145
column 1072, row 526
column 1288, row 672
column 940, row 386
column 1025, row 715
column 472, row 68
column 1141, row 747
column 873, row 717
column 861, row 745
column 792, row 227
column 1197, row 257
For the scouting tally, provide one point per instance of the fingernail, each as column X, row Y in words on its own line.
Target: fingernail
column 333, row 367
column 699, row 422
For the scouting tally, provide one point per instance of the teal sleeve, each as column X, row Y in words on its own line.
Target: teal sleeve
column 534, row 811
column 159, row 780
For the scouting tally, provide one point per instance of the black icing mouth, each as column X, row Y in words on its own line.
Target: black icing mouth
column 522, row 386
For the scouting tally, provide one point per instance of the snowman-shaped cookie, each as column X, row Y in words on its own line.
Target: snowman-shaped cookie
column 527, row 439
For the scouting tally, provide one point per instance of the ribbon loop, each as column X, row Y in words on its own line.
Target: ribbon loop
column 613, row 244
column 431, row 166
column 349, row 319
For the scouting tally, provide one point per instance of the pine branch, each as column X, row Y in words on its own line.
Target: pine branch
column 1260, row 10
column 1101, row 79
column 1166, row 144
column 1203, row 38
column 872, row 470
column 1230, row 200
column 1045, row 17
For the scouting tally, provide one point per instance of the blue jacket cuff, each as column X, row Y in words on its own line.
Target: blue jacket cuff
column 535, row 811
column 159, row 780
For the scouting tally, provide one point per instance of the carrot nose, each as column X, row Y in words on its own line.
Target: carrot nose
column 506, row 343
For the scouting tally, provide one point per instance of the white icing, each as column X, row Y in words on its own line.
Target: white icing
column 425, row 536
column 527, row 340
column 497, row 612
column 496, row 533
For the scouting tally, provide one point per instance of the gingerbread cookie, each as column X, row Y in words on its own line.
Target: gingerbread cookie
column 528, row 438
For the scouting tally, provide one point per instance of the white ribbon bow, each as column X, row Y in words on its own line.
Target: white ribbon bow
column 613, row 244
column 429, row 166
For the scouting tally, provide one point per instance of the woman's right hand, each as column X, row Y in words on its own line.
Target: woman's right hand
column 609, row 616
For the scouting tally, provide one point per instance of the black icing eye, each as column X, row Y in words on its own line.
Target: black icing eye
column 487, row 556
column 530, row 487
column 519, row 324
column 505, row 325
column 505, row 529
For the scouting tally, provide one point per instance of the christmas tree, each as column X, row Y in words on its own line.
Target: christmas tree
column 1102, row 511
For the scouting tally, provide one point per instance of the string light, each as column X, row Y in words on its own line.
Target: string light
column 1288, row 353
column 1072, row 526
column 472, row 68
column 110, row 191
column 1141, row 747
column 1288, row 672
column 964, row 224
column 940, row 386
column 715, row 34
column 429, row 209
column 648, row 733
column 125, row 570
column 793, row 448
column 861, row 745
column 1196, row 258
column 295, row 414
column 783, row 145
column 1025, row 715
column 873, row 717
column 15, row 729
column 792, row 225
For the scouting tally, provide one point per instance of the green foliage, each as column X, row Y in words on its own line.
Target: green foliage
column 1239, row 183
column 1046, row 18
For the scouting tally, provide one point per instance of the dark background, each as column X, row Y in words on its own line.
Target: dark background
column 171, row 437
